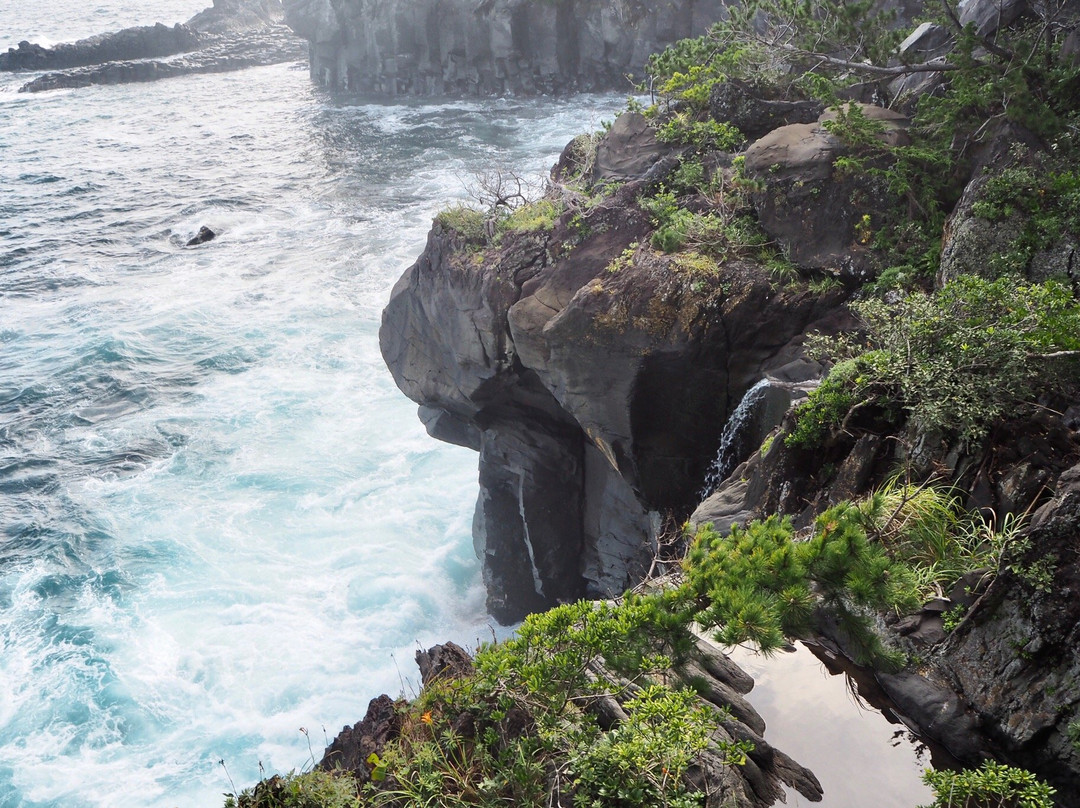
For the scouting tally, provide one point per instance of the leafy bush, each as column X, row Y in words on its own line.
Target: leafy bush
column 641, row 762
column 993, row 785
column 705, row 135
column 533, row 217
column 1045, row 195
column 955, row 362
column 313, row 789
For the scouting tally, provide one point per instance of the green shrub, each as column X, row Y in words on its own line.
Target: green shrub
column 705, row 135
column 993, row 785
column 758, row 585
column 313, row 789
column 467, row 222
column 641, row 762
column 534, row 217
column 1047, row 198
column 955, row 362
column 925, row 527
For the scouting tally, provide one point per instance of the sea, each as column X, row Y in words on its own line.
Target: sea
column 222, row 527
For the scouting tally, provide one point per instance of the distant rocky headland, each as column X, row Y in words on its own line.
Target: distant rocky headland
column 230, row 35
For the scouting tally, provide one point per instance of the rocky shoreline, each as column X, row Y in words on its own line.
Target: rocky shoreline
column 230, row 35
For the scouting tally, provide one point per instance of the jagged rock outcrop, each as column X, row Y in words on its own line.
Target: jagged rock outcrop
column 143, row 42
column 759, row 782
column 230, row 35
column 482, row 47
column 591, row 389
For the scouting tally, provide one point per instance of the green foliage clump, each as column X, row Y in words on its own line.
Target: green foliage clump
column 758, row 585
column 722, row 234
column 1047, row 197
column 641, row 763
column 955, row 362
column 851, row 384
column 312, row 789
column 992, row 785
column 925, row 527
column 1073, row 732
column 517, row 730
column 684, row 129
column 467, row 222
column 534, row 217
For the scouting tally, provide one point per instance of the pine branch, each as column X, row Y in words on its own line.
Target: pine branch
column 933, row 66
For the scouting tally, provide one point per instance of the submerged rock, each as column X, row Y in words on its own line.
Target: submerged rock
column 204, row 235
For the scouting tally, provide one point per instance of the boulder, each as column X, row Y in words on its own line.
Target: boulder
column 737, row 103
column 927, row 42
column 809, row 207
column 628, row 150
column 988, row 16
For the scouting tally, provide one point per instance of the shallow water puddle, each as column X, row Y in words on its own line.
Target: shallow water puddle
column 834, row 720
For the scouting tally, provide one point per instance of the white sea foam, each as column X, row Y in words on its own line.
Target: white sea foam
column 222, row 520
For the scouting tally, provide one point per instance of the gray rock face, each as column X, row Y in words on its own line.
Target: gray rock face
column 481, row 47
column 809, row 207
column 597, row 396
column 1016, row 659
column 989, row 15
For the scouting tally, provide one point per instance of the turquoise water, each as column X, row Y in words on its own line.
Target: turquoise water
column 220, row 520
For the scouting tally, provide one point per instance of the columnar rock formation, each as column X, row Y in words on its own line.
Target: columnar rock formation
column 481, row 47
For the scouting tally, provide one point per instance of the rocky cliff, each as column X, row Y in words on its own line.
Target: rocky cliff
column 593, row 350
column 484, row 47
column 595, row 394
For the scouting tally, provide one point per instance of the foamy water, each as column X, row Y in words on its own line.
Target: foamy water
column 221, row 520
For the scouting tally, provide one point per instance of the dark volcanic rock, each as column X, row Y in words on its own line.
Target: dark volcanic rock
column 353, row 745
column 204, row 235
column 231, row 35
column 1016, row 658
column 809, row 207
column 443, row 662
column 483, row 47
column 145, row 42
column 598, row 396
column 740, row 105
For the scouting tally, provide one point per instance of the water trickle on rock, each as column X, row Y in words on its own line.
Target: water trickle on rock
column 741, row 427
